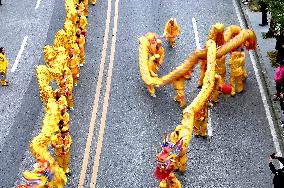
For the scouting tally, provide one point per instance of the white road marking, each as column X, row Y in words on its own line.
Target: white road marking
column 264, row 100
column 238, row 15
column 198, row 46
column 194, row 24
column 37, row 4
column 24, row 43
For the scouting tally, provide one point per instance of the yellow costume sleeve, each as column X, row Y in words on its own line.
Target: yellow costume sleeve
column 83, row 22
column 176, row 30
column 161, row 52
column 62, row 101
column 54, row 142
column 3, row 63
column 69, row 82
column 178, row 84
column 66, row 118
column 82, row 41
column 69, row 142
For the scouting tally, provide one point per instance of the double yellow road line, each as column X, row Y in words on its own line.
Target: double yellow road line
column 96, row 101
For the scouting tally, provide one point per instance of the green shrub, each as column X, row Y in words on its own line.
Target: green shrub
column 272, row 57
column 253, row 6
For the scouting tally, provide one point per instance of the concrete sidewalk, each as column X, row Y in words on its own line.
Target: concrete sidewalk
column 253, row 20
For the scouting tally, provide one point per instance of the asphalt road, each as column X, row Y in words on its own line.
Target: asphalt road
column 236, row 155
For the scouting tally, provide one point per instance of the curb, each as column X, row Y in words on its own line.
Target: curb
column 263, row 72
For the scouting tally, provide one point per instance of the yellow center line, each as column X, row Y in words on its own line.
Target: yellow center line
column 96, row 101
column 106, row 101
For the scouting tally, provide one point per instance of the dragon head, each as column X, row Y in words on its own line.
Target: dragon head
column 166, row 158
column 39, row 176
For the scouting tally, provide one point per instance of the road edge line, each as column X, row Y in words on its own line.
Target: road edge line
column 260, row 84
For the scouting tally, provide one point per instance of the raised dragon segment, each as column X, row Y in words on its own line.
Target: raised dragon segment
column 173, row 154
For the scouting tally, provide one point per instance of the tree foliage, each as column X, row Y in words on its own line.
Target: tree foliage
column 276, row 8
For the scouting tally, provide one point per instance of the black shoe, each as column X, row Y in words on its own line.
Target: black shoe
column 262, row 25
column 204, row 137
column 5, row 84
column 272, row 156
column 68, row 174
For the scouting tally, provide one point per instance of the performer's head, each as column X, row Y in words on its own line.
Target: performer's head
column 172, row 22
column 2, row 50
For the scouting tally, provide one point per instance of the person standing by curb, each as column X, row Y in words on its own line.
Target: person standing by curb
column 278, row 78
column 263, row 9
column 280, row 90
column 278, row 179
column 280, row 46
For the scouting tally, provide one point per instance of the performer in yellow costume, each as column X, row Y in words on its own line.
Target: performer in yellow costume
column 61, row 39
column 76, row 2
column 81, row 43
column 171, row 31
column 94, row 2
column 86, row 10
column 200, row 122
column 179, row 88
column 220, row 88
column 73, row 66
column 66, row 87
column 60, row 100
column 237, row 72
column 152, row 39
column 3, row 67
column 65, row 121
column 82, row 23
column 171, row 182
column 180, row 132
column 153, row 64
column 61, row 142
column 160, row 51
column 81, row 8
column 242, row 55
column 49, row 54
column 217, row 84
column 221, row 68
column 203, row 68
column 217, row 34
column 153, row 68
